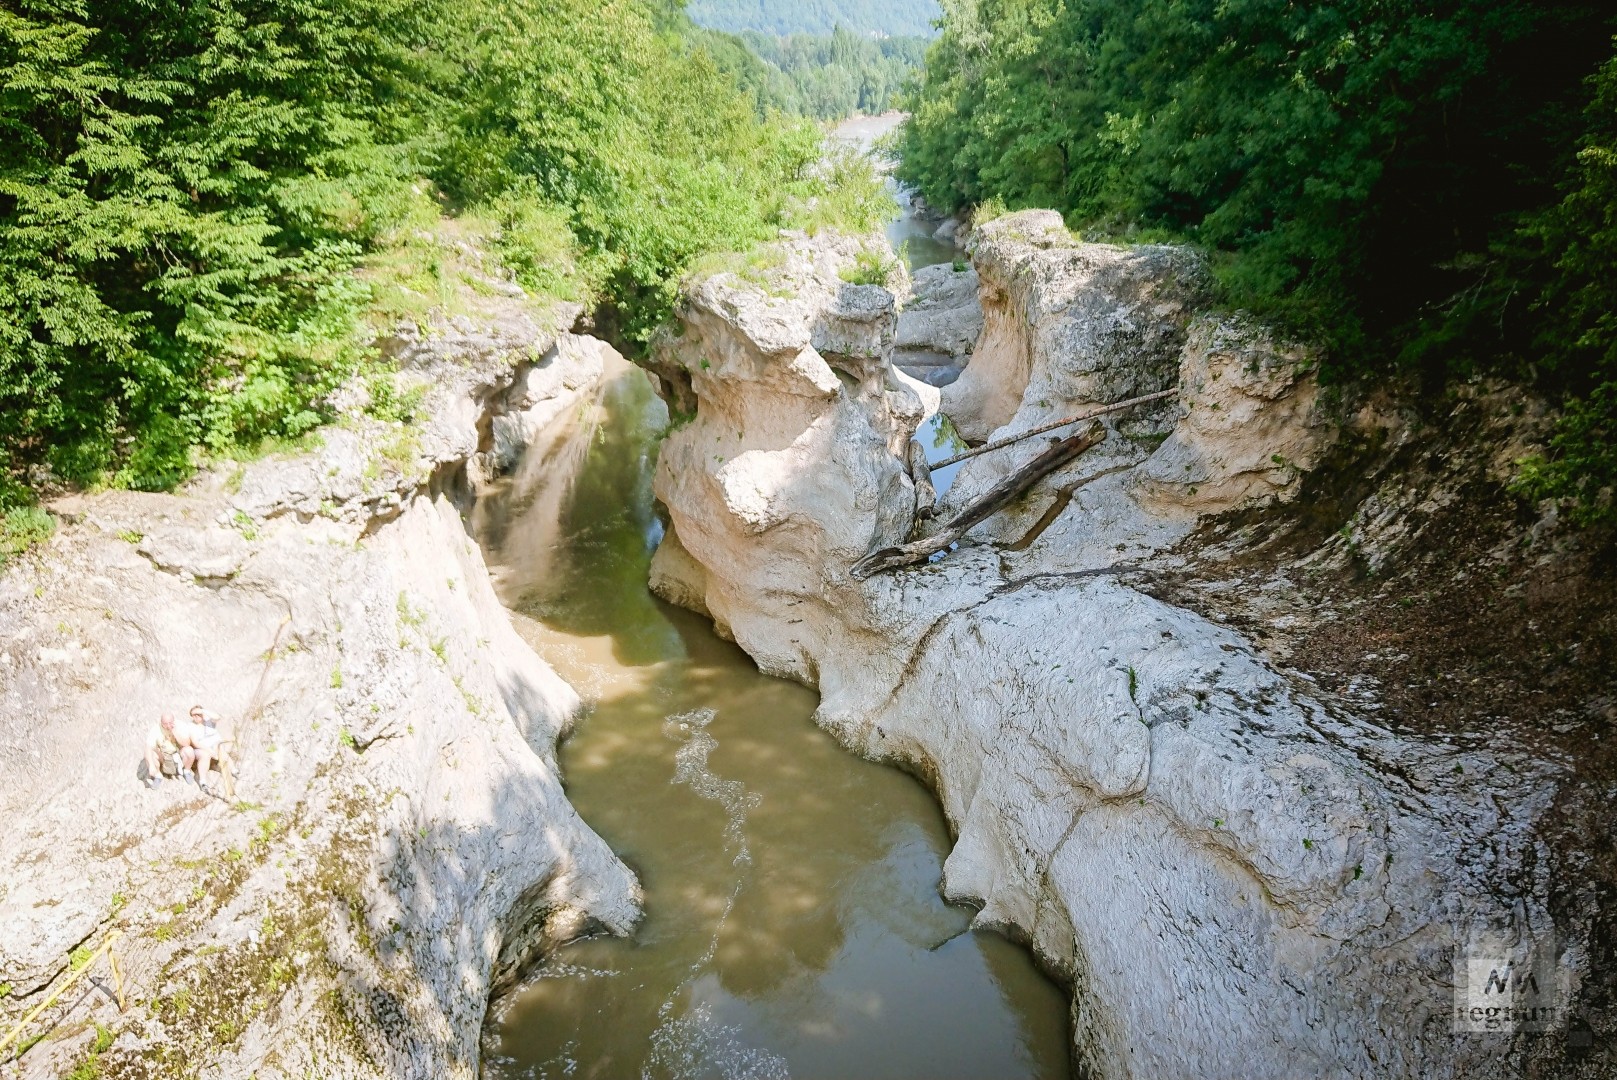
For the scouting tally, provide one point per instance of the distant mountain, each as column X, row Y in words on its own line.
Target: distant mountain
column 893, row 17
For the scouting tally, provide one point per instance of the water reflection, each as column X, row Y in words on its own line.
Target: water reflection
column 793, row 921
column 911, row 236
column 941, row 441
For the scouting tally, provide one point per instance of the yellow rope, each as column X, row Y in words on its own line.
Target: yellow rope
column 117, row 976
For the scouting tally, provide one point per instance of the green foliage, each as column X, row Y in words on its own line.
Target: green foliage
column 182, row 190
column 90, row 1067
column 1343, row 156
column 828, row 76
column 13, row 490
column 22, row 528
column 781, row 17
column 869, row 268
column 1400, row 182
column 987, row 210
column 1578, row 339
column 535, row 242
column 202, row 206
column 842, row 192
column 636, row 142
column 1582, row 465
column 388, row 402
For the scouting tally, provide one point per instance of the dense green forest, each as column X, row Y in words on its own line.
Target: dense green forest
column 826, row 76
column 779, row 18
column 204, row 206
column 1430, row 190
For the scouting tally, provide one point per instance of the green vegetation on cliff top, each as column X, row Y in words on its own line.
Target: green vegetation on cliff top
column 1428, row 189
column 203, row 207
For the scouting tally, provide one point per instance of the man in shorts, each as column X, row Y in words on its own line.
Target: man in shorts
column 176, row 747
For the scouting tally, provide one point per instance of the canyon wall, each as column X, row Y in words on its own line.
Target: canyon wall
column 1237, row 874
column 398, row 845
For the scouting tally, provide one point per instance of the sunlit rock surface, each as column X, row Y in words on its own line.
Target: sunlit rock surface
column 399, row 843
column 1237, row 876
column 1068, row 323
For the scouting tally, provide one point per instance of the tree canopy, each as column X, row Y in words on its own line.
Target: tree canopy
column 201, row 204
column 827, row 77
column 1400, row 181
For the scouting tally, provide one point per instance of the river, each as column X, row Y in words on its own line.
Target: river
column 793, row 925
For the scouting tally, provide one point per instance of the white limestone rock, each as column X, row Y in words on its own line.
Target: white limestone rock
column 400, row 845
column 1237, row 877
column 544, row 391
column 1067, row 324
column 942, row 313
column 1251, row 426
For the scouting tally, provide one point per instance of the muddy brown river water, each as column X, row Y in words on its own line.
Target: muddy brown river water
column 793, row 921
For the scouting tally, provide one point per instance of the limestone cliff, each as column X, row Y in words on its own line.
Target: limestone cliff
column 1237, row 874
column 399, row 843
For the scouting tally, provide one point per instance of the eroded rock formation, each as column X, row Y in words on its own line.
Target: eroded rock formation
column 1238, row 875
column 400, row 842
column 940, row 323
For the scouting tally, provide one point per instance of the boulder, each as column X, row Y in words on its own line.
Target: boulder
column 940, row 323
column 1251, row 426
column 1068, row 324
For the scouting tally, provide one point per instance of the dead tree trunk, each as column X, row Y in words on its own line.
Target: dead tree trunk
column 991, row 502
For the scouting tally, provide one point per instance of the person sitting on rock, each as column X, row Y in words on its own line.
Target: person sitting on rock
column 202, row 716
column 205, row 735
column 172, row 749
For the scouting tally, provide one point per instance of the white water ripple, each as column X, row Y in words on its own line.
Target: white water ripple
column 690, row 767
column 695, row 1045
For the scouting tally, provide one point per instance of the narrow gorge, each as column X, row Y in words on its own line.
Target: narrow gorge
column 766, row 539
column 1165, row 848
column 1226, row 865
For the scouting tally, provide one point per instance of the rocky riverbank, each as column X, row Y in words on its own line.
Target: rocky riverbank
column 399, row 843
column 1238, row 872
column 1153, row 695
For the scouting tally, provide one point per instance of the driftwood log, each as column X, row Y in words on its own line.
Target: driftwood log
column 991, row 502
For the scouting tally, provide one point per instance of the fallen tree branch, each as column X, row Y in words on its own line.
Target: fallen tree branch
column 1116, row 406
column 991, row 502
